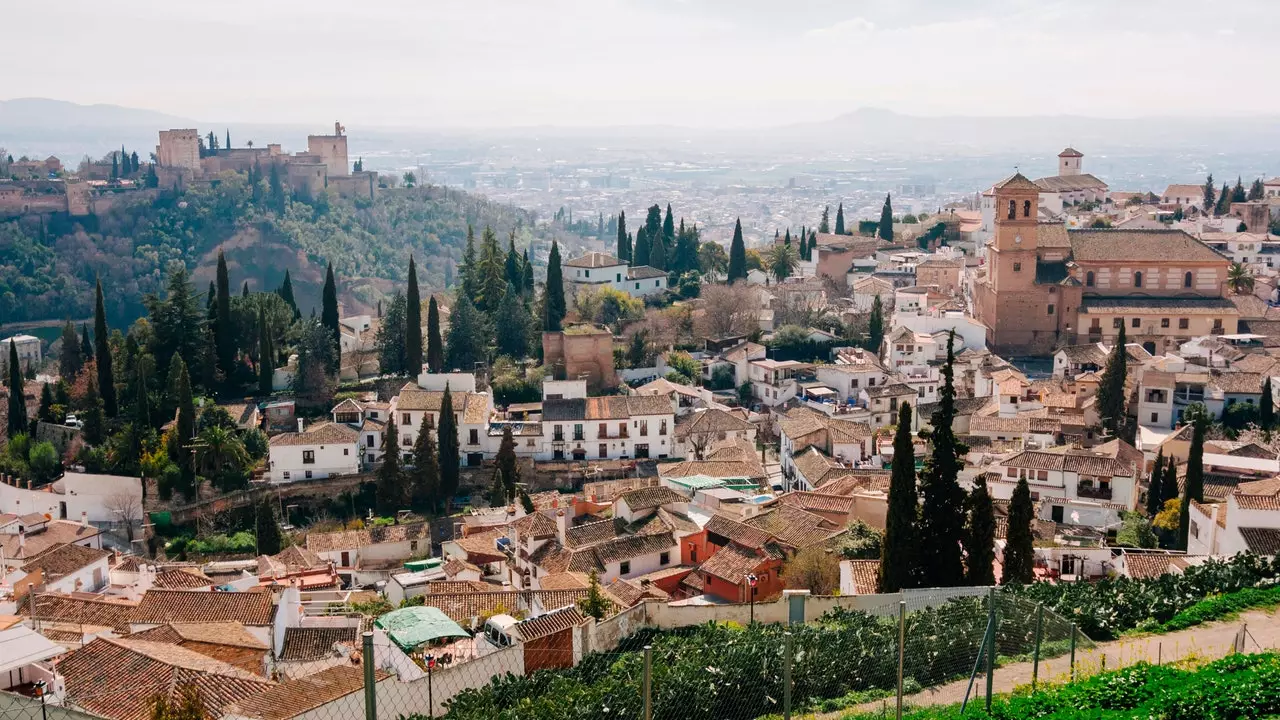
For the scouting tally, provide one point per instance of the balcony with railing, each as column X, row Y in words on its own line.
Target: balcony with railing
column 1094, row 492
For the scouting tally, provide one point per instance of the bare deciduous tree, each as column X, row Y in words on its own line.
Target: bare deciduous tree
column 126, row 508
column 729, row 310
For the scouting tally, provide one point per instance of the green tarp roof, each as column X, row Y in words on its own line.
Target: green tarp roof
column 412, row 626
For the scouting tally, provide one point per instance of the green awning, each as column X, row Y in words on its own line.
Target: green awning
column 413, row 626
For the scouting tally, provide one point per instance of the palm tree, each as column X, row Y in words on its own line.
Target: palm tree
column 218, row 449
column 782, row 261
column 249, row 143
column 1239, row 279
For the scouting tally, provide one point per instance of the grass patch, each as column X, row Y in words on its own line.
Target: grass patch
column 1223, row 606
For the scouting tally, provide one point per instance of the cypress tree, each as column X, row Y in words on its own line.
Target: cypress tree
column 513, row 271
column 624, row 240
column 185, row 428
column 653, row 223
column 786, row 239
column 668, row 230
column 737, row 255
column 17, row 424
column 133, row 162
column 899, row 556
column 553, row 294
column 425, row 477
column 658, row 249
column 1019, row 550
column 267, row 529
column 824, row 225
column 95, row 420
column 389, row 489
column 266, row 354
column 1256, row 190
column 1224, row 201
column 115, row 166
column 102, row 355
column 286, row 293
column 508, row 465
column 1266, row 407
column 413, row 324
column 447, row 442
column 941, row 527
column 1111, row 389
column 526, row 278
column 142, row 403
column 69, row 358
column 468, row 336
column 1238, row 193
column 1193, row 483
column 435, row 348
column 1169, row 486
column 980, row 536
column 840, row 219
column 244, row 290
column 1154, row 491
column 45, row 413
column 86, row 346
column 513, row 325
column 1210, row 192
column 329, row 317
column 223, row 332
column 885, row 228
column 875, row 326
column 468, row 274
column 640, row 254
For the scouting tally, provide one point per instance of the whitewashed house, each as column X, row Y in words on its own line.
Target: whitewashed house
column 321, row 450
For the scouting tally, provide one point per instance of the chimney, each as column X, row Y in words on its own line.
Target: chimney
column 562, row 525
column 84, row 519
column 300, row 424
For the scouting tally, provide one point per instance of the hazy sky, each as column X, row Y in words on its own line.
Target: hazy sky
column 709, row 63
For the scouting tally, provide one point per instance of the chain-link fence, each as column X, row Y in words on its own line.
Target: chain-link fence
column 863, row 654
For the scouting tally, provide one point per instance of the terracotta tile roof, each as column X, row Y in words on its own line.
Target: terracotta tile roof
column 214, row 633
column 63, row 560
column 847, row 482
column 400, row 533
column 712, row 420
column 644, row 272
column 563, row 581
column 815, row 466
column 480, row 547
column 181, row 579
column 733, row 562
column 456, row 566
column 1144, row 566
column 651, row 497
column 1238, row 383
column 321, row 433
column 57, row 532
column 890, row 390
column 592, row 533
column 314, row 643
column 299, row 695
column 605, row 408
column 1188, row 305
column 1259, row 495
column 1142, row 245
column 463, row 608
column 631, row 592
column 554, row 558
column 626, row 548
column 550, row 624
column 794, row 527
column 1261, row 541
column 536, row 525
column 95, row 672
column 56, row 607
column 340, row 540
column 292, row 559
column 818, row 502
column 866, row 576
column 165, row 606
column 742, row 533
column 595, row 260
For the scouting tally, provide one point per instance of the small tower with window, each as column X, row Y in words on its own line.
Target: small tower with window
column 1013, row 247
column 1069, row 161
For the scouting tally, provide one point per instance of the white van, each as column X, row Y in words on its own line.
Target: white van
column 498, row 630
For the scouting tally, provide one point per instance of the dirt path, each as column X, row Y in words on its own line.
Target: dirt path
column 1212, row 640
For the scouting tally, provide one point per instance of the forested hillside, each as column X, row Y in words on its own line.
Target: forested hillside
column 47, row 268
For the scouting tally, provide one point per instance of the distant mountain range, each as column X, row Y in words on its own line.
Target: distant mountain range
column 43, row 113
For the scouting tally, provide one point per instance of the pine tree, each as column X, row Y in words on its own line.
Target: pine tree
column 553, row 293
column 687, row 241
column 941, row 527
column 899, row 556
column 329, row 317
column 875, row 326
column 1238, row 193
column 640, row 254
column 1256, row 190
column 492, row 271
column 86, row 346
column 17, row 424
column 467, row 337
column 513, row 273
column 885, row 227
column 737, row 255
column 1111, row 389
column 1266, row 407
column 469, row 273
column 594, row 604
column 1193, row 483
column 1154, row 504
column 1224, row 201
column 447, row 442
column 624, row 240
column 1210, row 193
column 266, row 354
column 513, row 325
column 435, row 347
column 824, row 225
column 527, row 503
column 425, row 478
column 69, row 358
column 980, row 536
column 390, row 490
column 286, row 293
column 508, row 465
column 413, row 324
column 1019, row 550
column 266, row 529
column 840, row 219
column 223, row 333
column 102, row 355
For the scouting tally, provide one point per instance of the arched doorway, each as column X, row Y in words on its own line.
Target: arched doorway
column 1149, row 347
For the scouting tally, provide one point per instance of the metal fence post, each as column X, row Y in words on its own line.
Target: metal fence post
column 788, row 649
column 648, row 682
column 370, row 690
column 1073, row 652
column 901, row 652
column 1035, row 666
column 991, row 645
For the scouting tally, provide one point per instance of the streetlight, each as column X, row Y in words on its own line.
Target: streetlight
column 430, row 662
column 752, row 580
column 39, row 686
